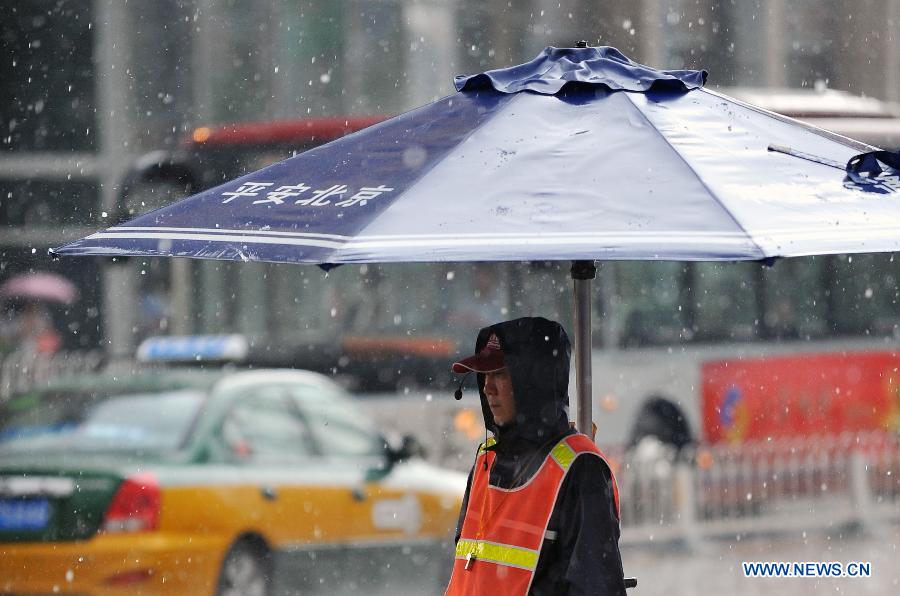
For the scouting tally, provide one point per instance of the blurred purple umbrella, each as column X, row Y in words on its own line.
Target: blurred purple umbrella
column 40, row 286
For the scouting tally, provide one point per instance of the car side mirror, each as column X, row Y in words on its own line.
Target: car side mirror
column 396, row 452
column 409, row 448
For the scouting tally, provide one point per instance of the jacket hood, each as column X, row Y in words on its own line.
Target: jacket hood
column 536, row 352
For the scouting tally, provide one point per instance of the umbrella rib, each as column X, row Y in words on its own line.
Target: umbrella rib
column 807, row 156
column 696, row 175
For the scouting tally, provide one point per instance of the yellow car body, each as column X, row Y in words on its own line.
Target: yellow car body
column 322, row 521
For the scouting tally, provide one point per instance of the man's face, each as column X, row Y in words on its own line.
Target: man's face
column 499, row 393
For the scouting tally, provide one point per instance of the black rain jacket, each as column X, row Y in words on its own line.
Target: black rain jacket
column 580, row 556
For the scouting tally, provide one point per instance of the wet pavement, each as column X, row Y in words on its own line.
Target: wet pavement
column 715, row 566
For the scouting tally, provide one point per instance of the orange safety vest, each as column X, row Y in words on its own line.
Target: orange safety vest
column 504, row 529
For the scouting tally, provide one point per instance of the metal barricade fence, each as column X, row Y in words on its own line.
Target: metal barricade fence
column 886, row 477
column 771, row 486
column 705, row 490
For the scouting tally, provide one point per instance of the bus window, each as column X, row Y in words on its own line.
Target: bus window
column 355, row 300
column 543, row 289
column 863, row 295
column 295, row 291
column 389, row 298
column 474, row 295
column 794, row 299
column 724, row 301
column 213, row 302
column 479, row 294
column 649, row 303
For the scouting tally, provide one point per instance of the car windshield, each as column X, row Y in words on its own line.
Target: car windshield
column 98, row 421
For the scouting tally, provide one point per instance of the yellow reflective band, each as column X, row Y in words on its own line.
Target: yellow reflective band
column 501, row 554
column 563, row 455
column 489, row 443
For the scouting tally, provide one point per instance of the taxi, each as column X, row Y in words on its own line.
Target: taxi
column 177, row 481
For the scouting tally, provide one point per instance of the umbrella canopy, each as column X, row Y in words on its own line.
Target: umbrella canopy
column 579, row 154
column 39, row 286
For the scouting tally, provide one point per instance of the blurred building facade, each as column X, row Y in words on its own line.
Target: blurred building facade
column 87, row 86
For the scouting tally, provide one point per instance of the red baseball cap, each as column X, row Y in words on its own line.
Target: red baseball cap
column 489, row 359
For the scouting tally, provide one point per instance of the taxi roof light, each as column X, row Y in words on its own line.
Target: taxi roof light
column 193, row 348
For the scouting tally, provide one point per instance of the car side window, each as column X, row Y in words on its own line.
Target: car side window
column 338, row 428
column 264, row 426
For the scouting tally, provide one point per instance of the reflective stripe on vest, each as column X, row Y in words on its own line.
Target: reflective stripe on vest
column 489, row 443
column 501, row 554
column 563, row 455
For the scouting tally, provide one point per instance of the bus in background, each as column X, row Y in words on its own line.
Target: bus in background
column 684, row 352
column 728, row 353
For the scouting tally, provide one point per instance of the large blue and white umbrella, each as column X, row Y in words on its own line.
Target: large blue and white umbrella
column 580, row 154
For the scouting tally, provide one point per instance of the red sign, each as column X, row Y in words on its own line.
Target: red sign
column 800, row 395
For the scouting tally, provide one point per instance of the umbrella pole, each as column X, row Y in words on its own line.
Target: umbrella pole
column 582, row 274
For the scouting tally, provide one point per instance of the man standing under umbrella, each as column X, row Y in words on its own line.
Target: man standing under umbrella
column 541, row 511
